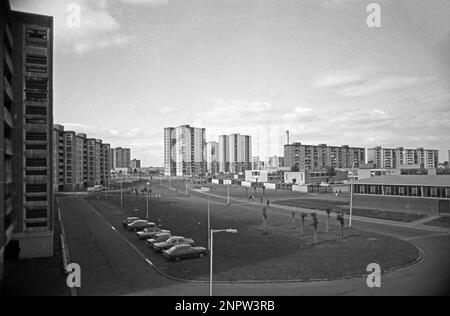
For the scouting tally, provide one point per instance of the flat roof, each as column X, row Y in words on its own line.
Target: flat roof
column 434, row 180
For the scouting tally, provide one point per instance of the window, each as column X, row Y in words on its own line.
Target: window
column 36, row 96
column 433, row 192
column 36, row 173
column 401, row 191
column 36, row 110
column 37, row 225
column 36, row 147
column 33, row 84
column 36, row 34
column 36, row 69
column 36, row 59
column 36, row 121
column 36, row 162
column 36, row 187
column 414, row 191
column 36, row 136
column 388, row 190
column 373, row 190
column 35, row 214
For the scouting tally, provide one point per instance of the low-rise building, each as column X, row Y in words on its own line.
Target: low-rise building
column 417, row 194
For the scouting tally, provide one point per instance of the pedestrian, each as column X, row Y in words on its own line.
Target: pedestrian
column 268, row 203
column 262, row 200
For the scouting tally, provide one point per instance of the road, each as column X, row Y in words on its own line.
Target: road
column 115, row 266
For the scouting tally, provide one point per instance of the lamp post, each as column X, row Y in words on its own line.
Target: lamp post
column 228, row 194
column 121, row 193
column 209, row 224
column 147, row 200
column 231, row 231
column 351, row 194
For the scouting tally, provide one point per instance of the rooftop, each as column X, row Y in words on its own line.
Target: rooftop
column 408, row 180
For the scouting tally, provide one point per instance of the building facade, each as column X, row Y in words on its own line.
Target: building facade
column 26, row 137
column 311, row 157
column 212, row 157
column 80, row 162
column 413, row 194
column 235, row 153
column 184, row 151
column 121, row 158
column 135, row 164
column 275, row 162
column 391, row 158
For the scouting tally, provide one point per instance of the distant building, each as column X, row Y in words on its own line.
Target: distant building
column 274, row 162
column 79, row 162
column 135, row 164
column 386, row 158
column 120, row 158
column 310, row 157
column 417, row 194
column 257, row 163
column 235, row 153
column 287, row 138
column 184, row 149
column 212, row 157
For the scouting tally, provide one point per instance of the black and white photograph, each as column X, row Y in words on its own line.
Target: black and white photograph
column 224, row 154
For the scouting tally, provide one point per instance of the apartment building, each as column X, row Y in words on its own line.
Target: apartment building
column 184, row 149
column 235, row 153
column 121, row 158
column 212, row 157
column 391, row 158
column 58, row 158
column 275, row 162
column 79, row 161
column 312, row 157
column 26, row 138
column 135, row 164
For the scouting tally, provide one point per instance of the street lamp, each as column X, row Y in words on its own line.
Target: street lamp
column 147, row 199
column 231, row 231
column 351, row 194
column 228, row 194
column 121, row 193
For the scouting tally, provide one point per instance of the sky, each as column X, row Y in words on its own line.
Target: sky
column 256, row 67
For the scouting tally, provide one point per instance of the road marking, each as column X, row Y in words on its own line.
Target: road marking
column 121, row 236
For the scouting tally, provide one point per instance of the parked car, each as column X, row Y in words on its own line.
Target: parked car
column 161, row 237
column 129, row 220
column 176, row 253
column 150, row 232
column 140, row 225
column 172, row 241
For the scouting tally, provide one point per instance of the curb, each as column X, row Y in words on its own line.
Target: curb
column 65, row 248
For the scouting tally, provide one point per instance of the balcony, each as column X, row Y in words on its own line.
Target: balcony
column 8, row 61
column 8, row 117
column 8, row 89
column 8, row 147
column 9, row 206
column 9, row 233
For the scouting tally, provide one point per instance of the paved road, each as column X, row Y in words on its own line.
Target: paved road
column 115, row 266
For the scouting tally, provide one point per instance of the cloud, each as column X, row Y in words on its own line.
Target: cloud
column 366, row 81
column 153, row 3
column 99, row 27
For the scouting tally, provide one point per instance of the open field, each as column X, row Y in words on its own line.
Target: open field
column 283, row 254
column 443, row 221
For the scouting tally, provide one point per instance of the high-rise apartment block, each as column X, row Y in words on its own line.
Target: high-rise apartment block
column 391, row 158
column 235, row 153
column 135, row 164
column 212, row 157
column 310, row 157
column 26, row 99
column 184, row 151
column 121, row 158
column 80, row 162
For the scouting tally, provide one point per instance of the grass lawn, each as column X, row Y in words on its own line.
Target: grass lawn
column 283, row 254
column 338, row 206
column 443, row 221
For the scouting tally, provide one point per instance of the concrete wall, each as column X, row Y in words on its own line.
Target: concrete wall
column 36, row 245
column 300, row 188
column 270, row 186
column 401, row 204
